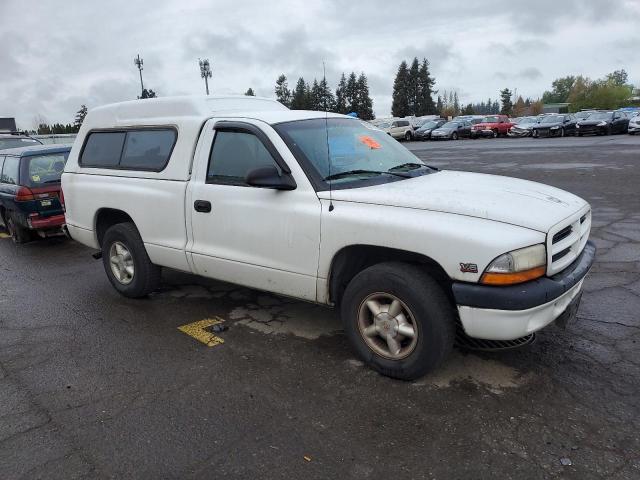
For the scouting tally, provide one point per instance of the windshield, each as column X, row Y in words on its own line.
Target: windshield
column 601, row 116
column 17, row 142
column 43, row 170
column 428, row 125
column 491, row 120
column 524, row 120
column 353, row 145
column 552, row 119
column 582, row 115
column 451, row 125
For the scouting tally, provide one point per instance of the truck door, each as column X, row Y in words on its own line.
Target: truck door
column 257, row 237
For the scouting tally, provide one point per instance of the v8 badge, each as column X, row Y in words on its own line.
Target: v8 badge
column 468, row 268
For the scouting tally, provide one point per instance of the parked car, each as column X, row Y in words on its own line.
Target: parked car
column 522, row 127
column 452, row 130
column 30, row 190
column 492, row 126
column 16, row 140
column 555, row 126
column 398, row 129
column 329, row 209
column 583, row 115
column 424, row 132
column 603, row 123
column 634, row 125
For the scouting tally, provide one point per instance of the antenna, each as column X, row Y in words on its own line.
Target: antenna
column 326, row 129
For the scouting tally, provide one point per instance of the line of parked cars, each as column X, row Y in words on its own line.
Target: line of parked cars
column 589, row 122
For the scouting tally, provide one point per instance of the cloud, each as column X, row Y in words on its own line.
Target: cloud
column 57, row 58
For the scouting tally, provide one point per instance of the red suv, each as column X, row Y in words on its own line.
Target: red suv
column 492, row 126
column 30, row 195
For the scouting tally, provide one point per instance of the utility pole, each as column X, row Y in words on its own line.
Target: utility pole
column 205, row 72
column 138, row 62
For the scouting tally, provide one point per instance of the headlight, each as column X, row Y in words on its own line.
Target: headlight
column 577, row 125
column 517, row 266
column 602, row 124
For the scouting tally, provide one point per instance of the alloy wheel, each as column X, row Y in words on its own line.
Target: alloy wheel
column 121, row 262
column 387, row 326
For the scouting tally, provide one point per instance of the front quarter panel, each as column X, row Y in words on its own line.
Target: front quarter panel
column 449, row 239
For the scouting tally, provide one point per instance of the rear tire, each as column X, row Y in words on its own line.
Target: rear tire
column 408, row 137
column 454, row 136
column 126, row 262
column 18, row 233
column 424, row 310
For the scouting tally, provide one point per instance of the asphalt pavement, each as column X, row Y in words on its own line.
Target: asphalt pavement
column 93, row 385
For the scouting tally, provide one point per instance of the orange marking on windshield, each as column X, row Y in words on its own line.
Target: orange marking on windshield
column 370, row 142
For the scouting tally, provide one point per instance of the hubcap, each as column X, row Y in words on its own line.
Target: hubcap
column 121, row 263
column 387, row 326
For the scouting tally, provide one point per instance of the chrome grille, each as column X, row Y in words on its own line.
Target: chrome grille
column 566, row 241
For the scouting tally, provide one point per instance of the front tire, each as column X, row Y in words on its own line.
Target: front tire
column 398, row 320
column 126, row 262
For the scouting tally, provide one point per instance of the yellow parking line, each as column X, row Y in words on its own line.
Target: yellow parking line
column 197, row 331
column 4, row 235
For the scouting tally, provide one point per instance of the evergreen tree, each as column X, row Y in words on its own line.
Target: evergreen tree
column 365, row 104
column 80, row 115
column 351, row 96
column 456, row 103
column 439, row 105
column 250, row 92
column 413, row 91
column 315, row 102
column 425, row 89
column 283, row 94
column 495, row 108
column 400, row 103
column 299, row 100
column 327, row 100
column 341, row 93
column 507, row 104
column 468, row 110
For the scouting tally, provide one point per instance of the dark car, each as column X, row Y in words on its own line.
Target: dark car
column 583, row 115
column 452, row 130
column 555, row 126
column 30, row 199
column 424, row 132
column 16, row 140
column 603, row 123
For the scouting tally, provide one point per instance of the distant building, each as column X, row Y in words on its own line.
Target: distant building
column 7, row 124
column 555, row 108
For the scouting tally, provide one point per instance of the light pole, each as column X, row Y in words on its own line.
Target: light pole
column 138, row 63
column 205, row 72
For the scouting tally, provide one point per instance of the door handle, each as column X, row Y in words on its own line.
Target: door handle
column 202, row 206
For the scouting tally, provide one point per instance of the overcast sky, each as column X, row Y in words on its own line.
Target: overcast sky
column 55, row 56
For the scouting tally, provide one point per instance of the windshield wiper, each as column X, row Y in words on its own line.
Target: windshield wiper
column 408, row 166
column 349, row 173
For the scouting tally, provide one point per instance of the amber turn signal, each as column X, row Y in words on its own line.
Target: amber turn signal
column 512, row 278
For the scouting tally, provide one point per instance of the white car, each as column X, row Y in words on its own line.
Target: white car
column 329, row 209
column 398, row 129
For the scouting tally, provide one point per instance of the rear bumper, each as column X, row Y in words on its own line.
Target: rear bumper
column 507, row 313
column 45, row 223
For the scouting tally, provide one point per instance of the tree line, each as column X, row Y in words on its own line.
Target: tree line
column 608, row 93
column 59, row 128
column 413, row 90
column 351, row 95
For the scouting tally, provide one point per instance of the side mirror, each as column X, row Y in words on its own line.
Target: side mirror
column 269, row 177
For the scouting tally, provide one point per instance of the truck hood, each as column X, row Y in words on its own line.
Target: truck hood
column 501, row 199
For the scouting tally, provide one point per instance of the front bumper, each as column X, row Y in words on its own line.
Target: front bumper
column 507, row 313
column 519, row 133
column 633, row 129
column 481, row 133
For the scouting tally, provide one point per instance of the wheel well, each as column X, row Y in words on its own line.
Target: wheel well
column 351, row 260
column 108, row 217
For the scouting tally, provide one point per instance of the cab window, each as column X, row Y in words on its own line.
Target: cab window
column 234, row 154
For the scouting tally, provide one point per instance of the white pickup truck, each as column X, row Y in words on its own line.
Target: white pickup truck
column 328, row 209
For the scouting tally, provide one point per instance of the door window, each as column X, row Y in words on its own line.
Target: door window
column 234, row 154
column 10, row 170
